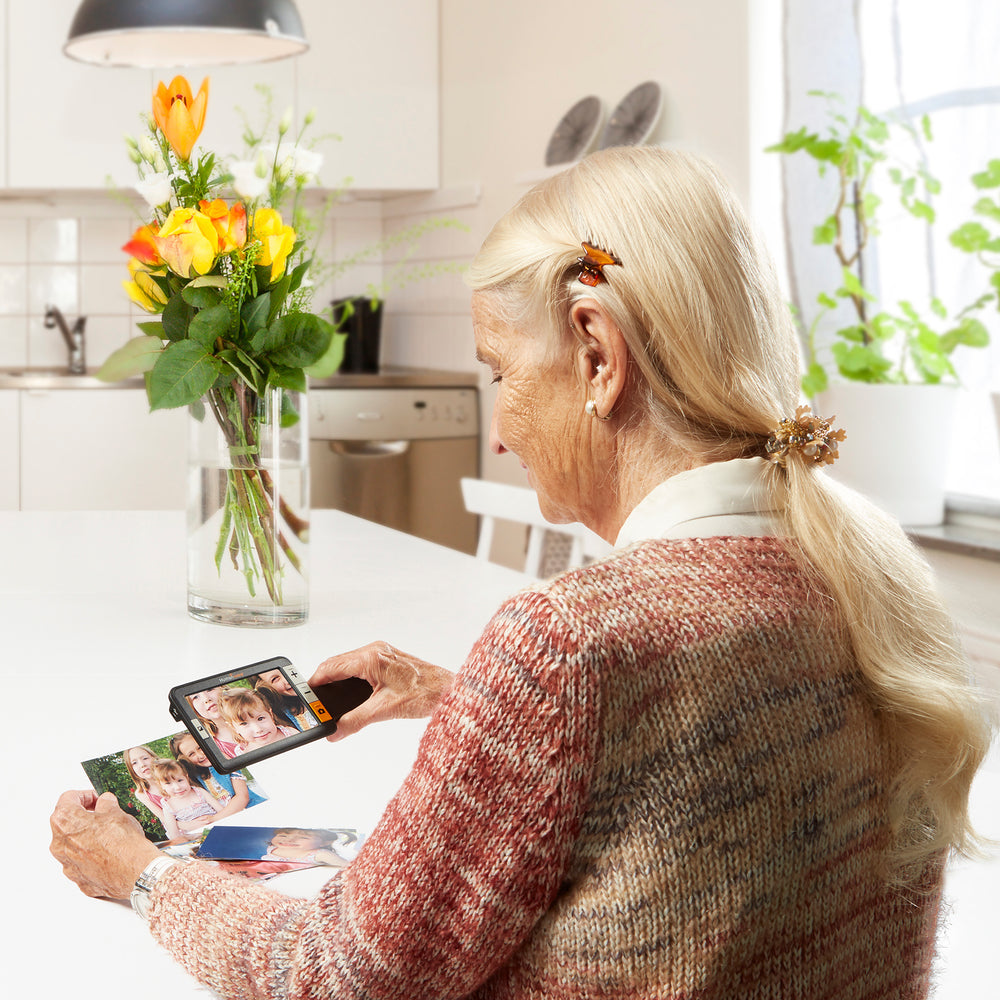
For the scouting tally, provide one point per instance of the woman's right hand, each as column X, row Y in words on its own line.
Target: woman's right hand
column 403, row 686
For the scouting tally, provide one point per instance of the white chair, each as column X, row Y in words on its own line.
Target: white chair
column 501, row 501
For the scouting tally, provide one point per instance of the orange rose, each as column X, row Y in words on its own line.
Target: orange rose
column 230, row 223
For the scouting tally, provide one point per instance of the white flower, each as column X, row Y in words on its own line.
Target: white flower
column 148, row 149
column 247, row 180
column 155, row 188
column 292, row 160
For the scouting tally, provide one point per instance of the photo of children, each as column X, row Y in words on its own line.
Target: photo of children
column 283, row 698
column 251, row 719
column 297, row 847
column 141, row 788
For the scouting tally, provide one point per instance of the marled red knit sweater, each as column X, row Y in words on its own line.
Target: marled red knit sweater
column 655, row 777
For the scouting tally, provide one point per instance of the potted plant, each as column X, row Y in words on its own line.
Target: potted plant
column 895, row 392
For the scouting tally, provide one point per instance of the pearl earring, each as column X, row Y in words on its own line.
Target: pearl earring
column 591, row 410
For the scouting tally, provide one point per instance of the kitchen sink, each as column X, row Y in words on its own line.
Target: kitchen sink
column 59, row 378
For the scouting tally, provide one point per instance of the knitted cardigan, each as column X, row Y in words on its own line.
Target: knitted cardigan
column 659, row 776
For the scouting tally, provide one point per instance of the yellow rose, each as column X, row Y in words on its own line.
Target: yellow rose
column 276, row 240
column 142, row 290
column 188, row 242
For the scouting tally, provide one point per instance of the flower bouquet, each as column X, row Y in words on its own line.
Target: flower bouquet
column 234, row 343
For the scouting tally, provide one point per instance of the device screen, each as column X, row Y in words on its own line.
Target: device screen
column 245, row 715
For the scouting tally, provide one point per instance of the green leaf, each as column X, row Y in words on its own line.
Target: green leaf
column 301, row 339
column 988, row 208
column 861, row 364
column 970, row 237
column 988, row 178
column 136, row 357
column 210, row 324
column 279, row 290
column 826, row 301
column 255, row 312
column 176, row 317
column 331, row 359
column 825, row 233
column 938, row 308
column 287, row 378
column 298, row 275
column 925, row 127
column 184, row 372
column 152, row 328
column 200, row 297
column 921, row 210
column 853, row 286
column 970, row 333
column 815, row 380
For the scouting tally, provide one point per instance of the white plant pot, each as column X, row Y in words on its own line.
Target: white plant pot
column 896, row 452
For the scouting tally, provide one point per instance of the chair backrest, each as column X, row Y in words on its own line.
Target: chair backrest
column 502, row 501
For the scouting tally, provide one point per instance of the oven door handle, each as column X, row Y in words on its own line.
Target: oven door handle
column 369, row 449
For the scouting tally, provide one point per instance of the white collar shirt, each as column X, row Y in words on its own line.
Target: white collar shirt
column 721, row 498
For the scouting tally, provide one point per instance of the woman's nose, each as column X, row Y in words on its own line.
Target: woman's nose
column 496, row 445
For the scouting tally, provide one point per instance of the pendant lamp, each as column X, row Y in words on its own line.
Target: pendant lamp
column 168, row 33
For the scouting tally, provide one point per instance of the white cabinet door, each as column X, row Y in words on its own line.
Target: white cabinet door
column 10, row 462
column 101, row 449
column 65, row 119
column 371, row 75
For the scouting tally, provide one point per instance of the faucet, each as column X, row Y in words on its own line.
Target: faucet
column 74, row 338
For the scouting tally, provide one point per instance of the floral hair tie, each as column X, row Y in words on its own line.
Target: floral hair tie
column 809, row 437
column 592, row 264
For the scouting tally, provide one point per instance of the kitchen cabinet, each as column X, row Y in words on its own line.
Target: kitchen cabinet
column 100, row 449
column 371, row 75
column 65, row 119
column 10, row 451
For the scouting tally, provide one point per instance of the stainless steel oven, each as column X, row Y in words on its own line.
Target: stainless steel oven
column 395, row 456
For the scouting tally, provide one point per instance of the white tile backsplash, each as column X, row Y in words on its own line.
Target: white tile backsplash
column 13, row 241
column 53, row 241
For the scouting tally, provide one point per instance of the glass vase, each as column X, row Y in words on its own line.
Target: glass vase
column 248, row 507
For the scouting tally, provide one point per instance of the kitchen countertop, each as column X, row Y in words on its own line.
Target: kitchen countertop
column 94, row 632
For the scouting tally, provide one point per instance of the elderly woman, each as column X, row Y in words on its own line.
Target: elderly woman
column 728, row 760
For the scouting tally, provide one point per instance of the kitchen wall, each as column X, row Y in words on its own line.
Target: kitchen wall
column 65, row 250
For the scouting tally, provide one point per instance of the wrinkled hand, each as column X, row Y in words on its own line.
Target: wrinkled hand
column 101, row 848
column 403, row 686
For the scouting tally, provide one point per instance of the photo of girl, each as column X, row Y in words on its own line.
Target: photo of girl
column 231, row 791
column 139, row 762
column 319, row 847
column 274, row 686
column 186, row 807
column 250, row 719
column 205, row 705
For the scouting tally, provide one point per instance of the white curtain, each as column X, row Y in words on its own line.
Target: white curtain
column 912, row 57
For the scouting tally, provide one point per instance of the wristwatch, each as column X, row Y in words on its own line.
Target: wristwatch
column 147, row 879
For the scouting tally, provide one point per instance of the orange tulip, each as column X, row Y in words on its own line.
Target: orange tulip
column 143, row 245
column 178, row 115
column 230, row 223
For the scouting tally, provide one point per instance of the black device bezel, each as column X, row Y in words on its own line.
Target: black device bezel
column 327, row 703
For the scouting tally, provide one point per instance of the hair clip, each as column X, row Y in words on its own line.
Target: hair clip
column 808, row 436
column 592, row 264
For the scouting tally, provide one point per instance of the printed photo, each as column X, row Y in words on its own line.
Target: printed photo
column 169, row 786
column 301, row 847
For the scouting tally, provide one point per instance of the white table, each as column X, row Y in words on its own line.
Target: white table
column 94, row 631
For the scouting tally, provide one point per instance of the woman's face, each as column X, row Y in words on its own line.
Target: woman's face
column 539, row 411
column 141, row 760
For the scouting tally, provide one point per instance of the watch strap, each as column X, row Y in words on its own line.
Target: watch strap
column 149, row 876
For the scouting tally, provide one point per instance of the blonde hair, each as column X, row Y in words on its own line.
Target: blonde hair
column 716, row 367
column 164, row 768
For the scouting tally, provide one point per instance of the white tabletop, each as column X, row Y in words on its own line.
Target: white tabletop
column 94, row 631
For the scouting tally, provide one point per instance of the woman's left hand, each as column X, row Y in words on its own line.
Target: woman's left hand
column 101, row 848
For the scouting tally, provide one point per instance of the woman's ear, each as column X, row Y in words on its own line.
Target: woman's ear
column 604, row 355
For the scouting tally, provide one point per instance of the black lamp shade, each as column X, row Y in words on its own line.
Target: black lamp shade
column 167, row 33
